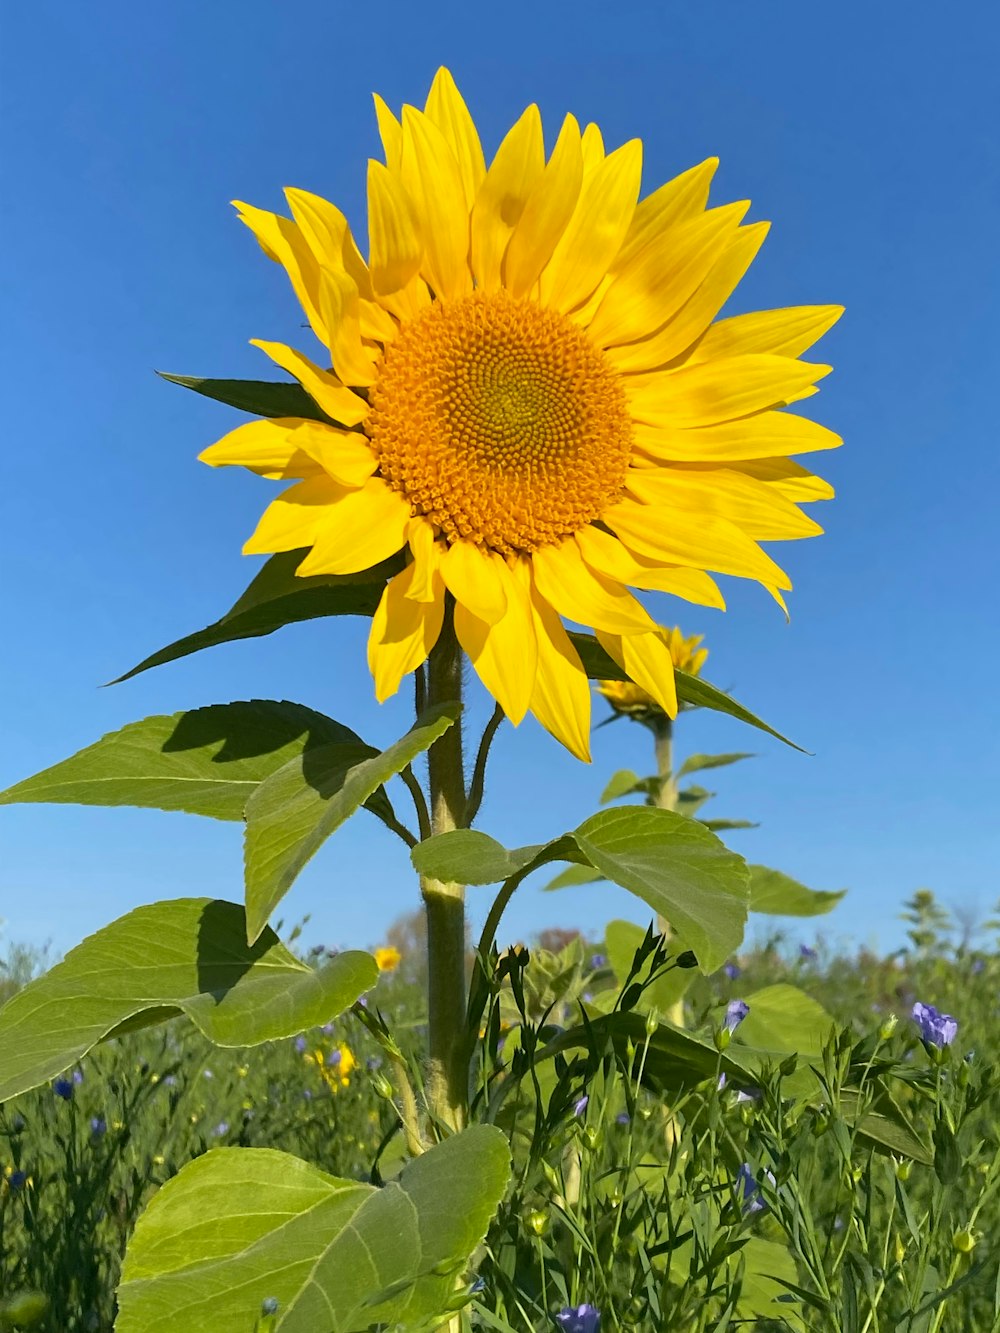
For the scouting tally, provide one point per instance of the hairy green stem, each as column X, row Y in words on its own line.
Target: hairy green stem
column 665, row 798
column 447, row 1065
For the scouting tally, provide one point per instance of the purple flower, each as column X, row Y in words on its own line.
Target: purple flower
column 98, row 1126
column 327, row 1029
column 978, row 965
column 806, row 953
column 748, row 1095
column 334, row 1058
column 721, row 1083
column 78, row 1076
column 622, row 1118
column 732, row 971
column 170, row 1081
column 936, row 1029
column 748, row 1187
column 301, row 1043
column 17, row 1180
column 221, row 1128
column 581, row 1105
column 579, row 1319
column 373, row 1062
column 597, row 960
column 63, row 1088
column 736, row 1011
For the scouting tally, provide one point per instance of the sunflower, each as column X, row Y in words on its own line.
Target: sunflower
column 631, row 700
column 526, row 394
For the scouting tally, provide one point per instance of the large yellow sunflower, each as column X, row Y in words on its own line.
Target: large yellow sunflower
column 531, row 397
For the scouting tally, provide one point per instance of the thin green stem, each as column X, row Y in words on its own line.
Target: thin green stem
column 478, row 784
column 448, row 1064
column 419, row 803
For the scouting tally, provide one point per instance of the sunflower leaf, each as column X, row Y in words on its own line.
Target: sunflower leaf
column 777, row 894
column 672, row 863
column 696, row 763
column 694, row 691
column 185, row 956
column 205, row 762
column 333, row 1254
column 262, row 398
column 275, row 598
column 291, row 815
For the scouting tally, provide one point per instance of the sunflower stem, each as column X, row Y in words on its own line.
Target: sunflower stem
column 448, row 1066
column 665, row 798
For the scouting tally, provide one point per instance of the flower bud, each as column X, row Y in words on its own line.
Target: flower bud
column 652, row 1022
column 538, row 1222
column 964, row 1241
column 903, row 1169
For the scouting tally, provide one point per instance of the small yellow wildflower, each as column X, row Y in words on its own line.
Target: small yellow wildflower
column 334, row 1067
column 633, row 701
column 388, row 958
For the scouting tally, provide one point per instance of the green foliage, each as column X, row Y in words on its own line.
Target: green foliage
column 261, row 398
column 277, row 597
column 695, row 763
column 773, row 892
column 334, row 1254
column 206, row 762
column 291, row 815
column 673, row 864
column 187, row 956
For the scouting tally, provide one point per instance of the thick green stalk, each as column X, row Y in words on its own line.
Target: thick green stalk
column 448, row 1069
column 665, row 798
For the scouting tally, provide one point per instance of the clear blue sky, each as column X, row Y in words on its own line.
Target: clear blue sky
column 867, row 133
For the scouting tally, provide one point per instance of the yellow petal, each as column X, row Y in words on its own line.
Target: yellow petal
column 761, row 511
column 395, row 247
column 580, row 594
column 344, row 455
column 605, row 554
column 265, row 447
column 504, row 655
column 340, row 307
column 699, row 310
column 764, row 435
column 362, row 528
column 592, row 148
column 596, row 230
column 295, row 517
column 560, row 699
column 328, row 236
column 449, row 113
column 390, row 132
column 335, row 399
column 427, row 555
column 546, row 213
column 788, row 477
column 719, row 390
column 679, row 200
column 281, row 240
column 403, row 632
column 513, row 174
column 475, row 578
column 646, row 659
column 788, row 332
column 697, row 540
column 433, row 183
column 653, row 286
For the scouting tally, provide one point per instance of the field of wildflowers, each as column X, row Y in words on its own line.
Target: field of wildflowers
column 630, row 1208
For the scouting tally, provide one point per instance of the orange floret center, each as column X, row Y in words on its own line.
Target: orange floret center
column 500, row 422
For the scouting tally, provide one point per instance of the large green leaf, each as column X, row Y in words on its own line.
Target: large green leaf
column 691, row 690
column 187, row 956
column 784, row 1020
column 263, row 398
column 777, row 894
column 277, row 597
column 672, row 863
column 290, row 816
column 207, row 762
column 240, row 1226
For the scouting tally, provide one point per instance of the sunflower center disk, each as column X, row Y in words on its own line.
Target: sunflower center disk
column 501, row 422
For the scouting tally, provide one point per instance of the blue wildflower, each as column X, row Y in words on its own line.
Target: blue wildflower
column 936, row 1029
column 477, row 1287
column 581, row 1105
column 207, row 1073
column 746, row 1184
column 170, row 1081
column 63, row 1088
column 732, row 971
column 749, row 1095
column 978, row 965
column 597, row 960
column 301, row 1044
column 18, row 1123
column 269, row 1305
column 736, row 1011
column 579, row 1319
column 98, row 1126
column 221, row 1128
column 373, row 1062
column 334, row 1058
column 17, row 1180
column 807, row 954
column 77, row 1076
column 623, row 1118
column 328, row 1029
